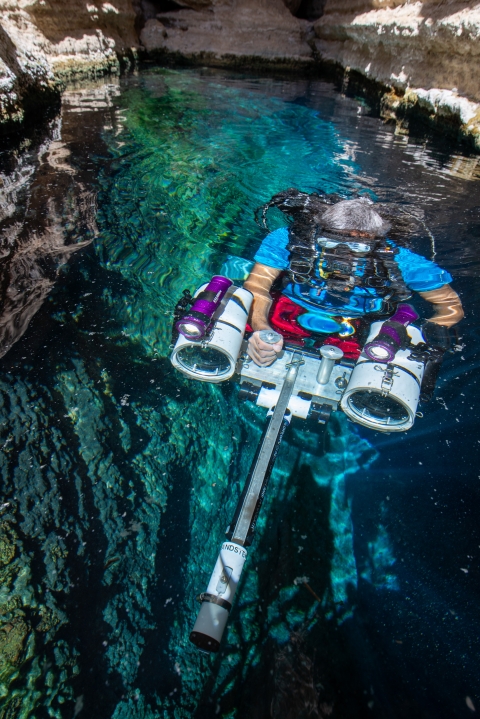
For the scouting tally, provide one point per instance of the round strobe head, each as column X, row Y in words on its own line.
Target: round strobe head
column 377, row 410
column 204, row 362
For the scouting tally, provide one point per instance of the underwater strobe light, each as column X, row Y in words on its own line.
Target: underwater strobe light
column 195, row 324
column 383, row 394
column 392, row 336
column 212, row 331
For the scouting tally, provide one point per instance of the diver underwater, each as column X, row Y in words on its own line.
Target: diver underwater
column 320, row 322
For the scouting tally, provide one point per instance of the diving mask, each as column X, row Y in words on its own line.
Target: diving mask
column 360, row 248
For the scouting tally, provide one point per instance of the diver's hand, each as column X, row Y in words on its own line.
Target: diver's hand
column 262, row 353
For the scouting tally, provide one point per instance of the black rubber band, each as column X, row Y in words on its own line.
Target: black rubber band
column 213, row 599
column 239, row 302
column 209, row 296
column 229, row 324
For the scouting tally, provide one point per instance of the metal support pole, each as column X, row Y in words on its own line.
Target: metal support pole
column 217, row 600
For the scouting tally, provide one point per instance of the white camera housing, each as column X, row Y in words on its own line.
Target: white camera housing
column 213, row 359
column 384, row 396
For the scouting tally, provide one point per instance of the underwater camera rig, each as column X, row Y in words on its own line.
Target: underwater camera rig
column 380, row 390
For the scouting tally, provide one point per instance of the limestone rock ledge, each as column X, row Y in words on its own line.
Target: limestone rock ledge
column 43, row 43
column 425, row 54
column 222, row 33
column 417, row 59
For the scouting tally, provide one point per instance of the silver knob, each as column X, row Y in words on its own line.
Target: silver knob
column 330, row 354
column 269, row 336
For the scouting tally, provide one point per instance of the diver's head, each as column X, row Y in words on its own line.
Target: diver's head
column 328, row 213
column 355, row 218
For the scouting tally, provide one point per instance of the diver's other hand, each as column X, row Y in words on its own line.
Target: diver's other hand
column 262, row 353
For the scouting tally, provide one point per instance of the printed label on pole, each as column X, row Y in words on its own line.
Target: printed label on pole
column 226, row 574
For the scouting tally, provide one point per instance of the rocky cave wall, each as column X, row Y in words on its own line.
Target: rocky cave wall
column 416, row 59
column 44, row 43
column 423, row 53
column 245, row 31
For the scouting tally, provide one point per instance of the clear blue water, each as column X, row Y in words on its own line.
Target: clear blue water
column 119, row 476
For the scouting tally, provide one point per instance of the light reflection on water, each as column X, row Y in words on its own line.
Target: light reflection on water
column 117, row 496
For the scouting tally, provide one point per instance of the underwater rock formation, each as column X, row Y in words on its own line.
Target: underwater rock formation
column 47, row 214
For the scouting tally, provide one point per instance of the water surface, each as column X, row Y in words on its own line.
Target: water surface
column 119, row 476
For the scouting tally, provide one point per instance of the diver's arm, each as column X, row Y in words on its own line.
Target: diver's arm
column 447, row 305
column 259, row 282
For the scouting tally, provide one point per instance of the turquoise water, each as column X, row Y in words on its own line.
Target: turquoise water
column 120, row 476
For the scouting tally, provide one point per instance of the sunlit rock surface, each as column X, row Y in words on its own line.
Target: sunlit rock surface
column 42, row 44
column 224, row 32
column 425, row 51
column 415, row 60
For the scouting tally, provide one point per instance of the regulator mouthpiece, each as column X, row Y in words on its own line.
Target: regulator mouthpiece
column 194, row 325
column 392, row 336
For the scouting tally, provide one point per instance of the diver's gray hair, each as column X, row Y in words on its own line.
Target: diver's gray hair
column 355, row 214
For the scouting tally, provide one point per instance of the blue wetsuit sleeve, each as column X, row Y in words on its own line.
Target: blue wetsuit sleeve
column 273, row 250
column 420, row 274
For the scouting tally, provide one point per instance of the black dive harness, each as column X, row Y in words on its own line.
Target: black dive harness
column 339, row 263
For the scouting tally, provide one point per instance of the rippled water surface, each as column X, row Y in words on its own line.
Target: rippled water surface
column 119, row 476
